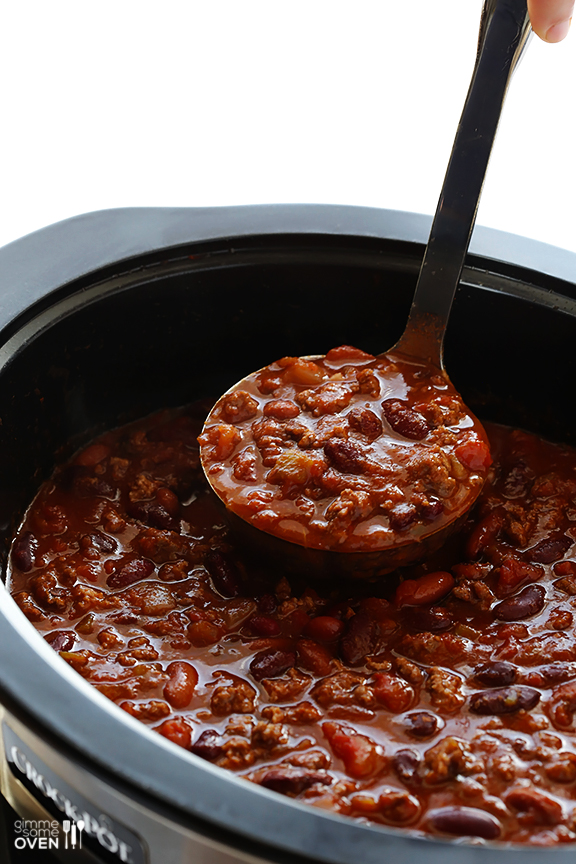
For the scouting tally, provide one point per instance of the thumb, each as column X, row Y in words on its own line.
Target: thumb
column 550, row 19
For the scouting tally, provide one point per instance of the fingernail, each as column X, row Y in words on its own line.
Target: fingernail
column 558, row 32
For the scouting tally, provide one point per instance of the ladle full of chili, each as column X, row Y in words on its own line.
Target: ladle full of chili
column 355, row 463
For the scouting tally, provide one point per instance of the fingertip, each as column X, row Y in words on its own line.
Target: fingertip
column 558, row 32
column 551, row 19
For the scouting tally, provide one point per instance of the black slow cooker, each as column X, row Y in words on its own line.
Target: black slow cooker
column 108, row 316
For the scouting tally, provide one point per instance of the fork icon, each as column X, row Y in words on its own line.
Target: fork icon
column 66, row 829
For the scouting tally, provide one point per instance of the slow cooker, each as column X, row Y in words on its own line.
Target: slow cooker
column 108, row 316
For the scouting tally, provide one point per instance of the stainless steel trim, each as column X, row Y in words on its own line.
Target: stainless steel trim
column 166, row 841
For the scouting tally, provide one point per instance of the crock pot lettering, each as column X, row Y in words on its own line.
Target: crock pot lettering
column 415, row 701
column 100, row 831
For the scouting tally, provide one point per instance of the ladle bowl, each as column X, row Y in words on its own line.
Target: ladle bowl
column 321, row 547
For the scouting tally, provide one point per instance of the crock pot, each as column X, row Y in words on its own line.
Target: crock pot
column 110, row 315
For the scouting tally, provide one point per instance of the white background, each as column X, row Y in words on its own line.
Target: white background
column 171, row 103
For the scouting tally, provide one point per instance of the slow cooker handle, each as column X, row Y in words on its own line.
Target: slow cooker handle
column 504, row 33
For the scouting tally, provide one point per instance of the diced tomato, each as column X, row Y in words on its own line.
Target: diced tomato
column 177, row 731
column 362, row 757
column 395, row 694
column 474, row 454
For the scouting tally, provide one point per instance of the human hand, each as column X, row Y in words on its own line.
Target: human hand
column 550, row 19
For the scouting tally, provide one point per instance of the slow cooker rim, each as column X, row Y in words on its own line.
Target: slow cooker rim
column 34, row 266
column 18, row 655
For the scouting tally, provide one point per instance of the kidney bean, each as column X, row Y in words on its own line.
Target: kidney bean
column 281, row 409
column 92, row 455
column 436, row 619
column 496, row 674
column 404, row 420
column 421, row 724
column 179, row 688
column 485, row 533
column 97, row 487
column 376, row 607
column 405, row 764
column 264, row 627
column 176, row 730
column 542, row 809
column 152, row 514
column 551, row 674
column 236, row 612
column 518, row 480
column 293, row 781
column 324, row 628
column 314, row 657
column 24, row 551
column 294, row 623
column 61, row 640
column 272, row 644
column 226, row 577
column 345, row 456
column 103, row 541
column 366, row 422
column 340, row 610
column 528, row 602
column 431, row 509
column 549, row 549
column 361, row 638
column 402, row 516
column 267, row 604
column 504, row 700
column 465, row 822
column 565, row 568
column 271, row 664
column 426, row 590
column 167, row 499
column 133, row 571
column 86, row 625
column 208, row 745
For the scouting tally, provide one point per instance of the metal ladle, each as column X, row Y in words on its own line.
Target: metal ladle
column 504, row 33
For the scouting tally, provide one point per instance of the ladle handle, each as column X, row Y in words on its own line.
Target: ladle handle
column 504, row 33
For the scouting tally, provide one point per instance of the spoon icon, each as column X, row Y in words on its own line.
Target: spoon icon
column 360, row 464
